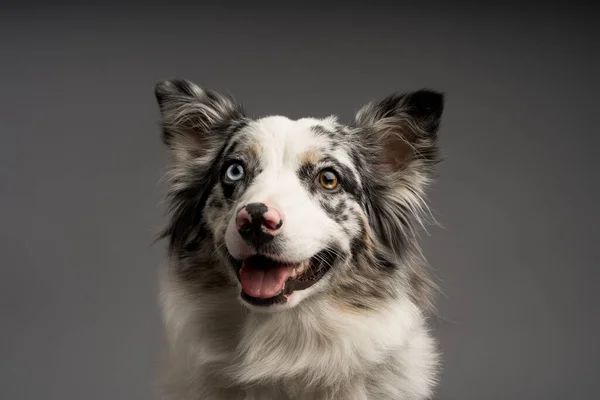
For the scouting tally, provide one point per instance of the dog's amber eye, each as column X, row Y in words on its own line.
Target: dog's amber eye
column 329, row 180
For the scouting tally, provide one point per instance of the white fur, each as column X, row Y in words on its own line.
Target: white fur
column 317, row 351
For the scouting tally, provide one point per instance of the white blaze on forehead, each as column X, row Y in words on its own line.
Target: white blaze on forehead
column 285, row 140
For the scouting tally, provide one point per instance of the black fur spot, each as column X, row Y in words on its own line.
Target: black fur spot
column 306, row 172
column 338, row 212
column 329, row 209
column 229, row 189
column 357, row 244
column 216, row 202
column 321, row 130
column 384, row 262
column 357, row 158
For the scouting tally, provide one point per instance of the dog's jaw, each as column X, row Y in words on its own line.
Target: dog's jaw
column 300, row 279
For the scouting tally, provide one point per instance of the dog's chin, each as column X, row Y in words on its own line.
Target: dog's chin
column 268, row 284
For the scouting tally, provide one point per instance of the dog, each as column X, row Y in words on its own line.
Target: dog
column 293, row 269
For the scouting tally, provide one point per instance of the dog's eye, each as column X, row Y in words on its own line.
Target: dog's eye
column 329, row 180
column 234, row 172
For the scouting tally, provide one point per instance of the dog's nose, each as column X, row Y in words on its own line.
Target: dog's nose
column 258, row 223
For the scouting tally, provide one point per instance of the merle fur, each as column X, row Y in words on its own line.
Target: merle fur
column 390, row 199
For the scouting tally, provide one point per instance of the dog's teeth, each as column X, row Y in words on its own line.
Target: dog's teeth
column 299, row 269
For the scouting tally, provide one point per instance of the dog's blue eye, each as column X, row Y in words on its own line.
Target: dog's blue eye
column 235, row 172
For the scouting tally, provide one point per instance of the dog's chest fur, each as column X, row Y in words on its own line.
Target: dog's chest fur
column 219, row 350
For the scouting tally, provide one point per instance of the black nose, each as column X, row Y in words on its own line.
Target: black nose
column 256, row 211
column 253, row 225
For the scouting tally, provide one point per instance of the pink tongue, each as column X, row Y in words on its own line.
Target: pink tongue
column 264, row 283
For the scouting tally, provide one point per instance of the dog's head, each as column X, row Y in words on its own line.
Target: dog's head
column 287, row 210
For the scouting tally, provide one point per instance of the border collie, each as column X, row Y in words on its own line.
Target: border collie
column 293, row 268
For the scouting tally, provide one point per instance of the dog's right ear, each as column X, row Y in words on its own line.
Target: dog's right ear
column 194, row 120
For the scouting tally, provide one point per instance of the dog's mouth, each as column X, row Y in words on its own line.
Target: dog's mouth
column 266, row 281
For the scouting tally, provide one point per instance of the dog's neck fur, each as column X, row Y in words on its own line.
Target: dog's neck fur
column 318, row 350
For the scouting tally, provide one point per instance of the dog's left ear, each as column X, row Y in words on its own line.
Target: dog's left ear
column 398, row 137
column 403, row 128
column 194, row 120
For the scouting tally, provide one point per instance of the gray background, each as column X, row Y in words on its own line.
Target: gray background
column 80, row 162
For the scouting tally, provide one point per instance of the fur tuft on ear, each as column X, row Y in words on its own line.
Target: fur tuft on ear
column 403, row 126
column 399, row 135
column 193, row 119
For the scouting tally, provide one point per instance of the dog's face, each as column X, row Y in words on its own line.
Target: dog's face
column 288, row 209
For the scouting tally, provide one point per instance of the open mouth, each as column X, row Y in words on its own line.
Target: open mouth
column 266, row 281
